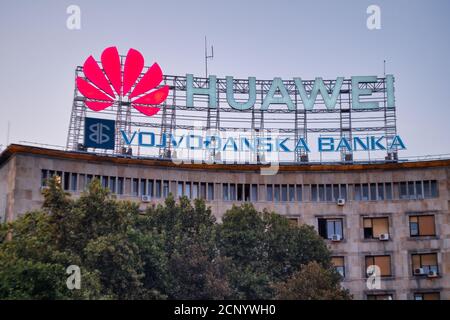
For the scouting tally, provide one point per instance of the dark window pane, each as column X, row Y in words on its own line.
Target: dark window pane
column 322, row 224
column 225, row 192
column 314, row 192
column 388, row 189
column 291, row 192
column 365, row 191
column 269, row 196
column 380, row 191
column 373, row 191
column 284, row 192
column 299, row 192
column 434, row 189
column 328, row 194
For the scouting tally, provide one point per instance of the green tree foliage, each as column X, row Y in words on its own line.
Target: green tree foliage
column 311, row 282
column 170, row 251
column 265, row 248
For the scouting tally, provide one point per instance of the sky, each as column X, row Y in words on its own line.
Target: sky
column 265, row 39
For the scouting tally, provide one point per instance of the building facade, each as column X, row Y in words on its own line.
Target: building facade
column 392, row 215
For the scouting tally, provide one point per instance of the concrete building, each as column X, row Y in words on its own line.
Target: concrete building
column 393, row 215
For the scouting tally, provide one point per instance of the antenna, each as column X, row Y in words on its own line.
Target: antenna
column 7, row 133
column 384, row 68
column 207, row 57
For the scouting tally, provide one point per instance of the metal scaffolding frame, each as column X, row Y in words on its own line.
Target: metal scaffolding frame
column 342, row 121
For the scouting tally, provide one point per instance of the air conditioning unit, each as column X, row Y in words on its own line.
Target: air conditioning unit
column 336, row 237
column 418, row 271
column 341, row 202
column 146, row 198
column 432, row 274
column 384, row 237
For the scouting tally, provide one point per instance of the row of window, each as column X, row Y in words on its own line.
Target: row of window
column 422, row 264
column 416, row 296
column 376, row 227
column 250, row 192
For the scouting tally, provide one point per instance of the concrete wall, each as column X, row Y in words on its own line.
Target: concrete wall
column 21, row 180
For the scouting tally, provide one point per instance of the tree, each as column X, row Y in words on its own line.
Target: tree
column 194, row 268
column 312, row 282
column 265, row 248
column 175, row 250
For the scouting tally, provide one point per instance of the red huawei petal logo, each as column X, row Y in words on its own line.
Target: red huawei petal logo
column 103, row 87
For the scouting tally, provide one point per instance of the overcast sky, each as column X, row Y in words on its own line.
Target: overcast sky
column 264, row 39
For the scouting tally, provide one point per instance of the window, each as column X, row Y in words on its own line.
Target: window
column 375, row 227
column 203, row 190
column 143, row 187
column 165, row 188
column 388, row 189
column 66, row 180
column 383, row 262
column 379, row 297
column 330, row 228
column 44, row 176
column 419, row 191
column 365, row 192
column 105, row 182
column 269, row 195
column 276, row 195
column 358, row 194
column 187, row 190
column 210, row 191
column 195, row 190
column 338, row 263
column 120, row 185
column 247, row 192
column 127, row 185
column 284, row 192
column 82, row 182
column 421, row 226
column 411, row 190
column 112, row 184
column 73, row 182
column 299, row 192
column 403, row 191
column 380, row 191
column 373, row 191
column 426, row 189
column 424, row 264
column 254, row 192
column 180, row 189
column 150, row 188
column 291, row 193
column 314, row 192
column 427, row 296
column 343, row 191
column 240, row 192
column 335, row 192
column 233, row 192
column 434, row 189
column 225, row 192
column 328, row 193
column 321, row 192
column 158, row 188
column 135, row 187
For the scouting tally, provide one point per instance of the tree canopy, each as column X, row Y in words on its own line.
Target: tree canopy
column 170, row 251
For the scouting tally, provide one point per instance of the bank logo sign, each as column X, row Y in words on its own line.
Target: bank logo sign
column 102, row 87
column 99, row 133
